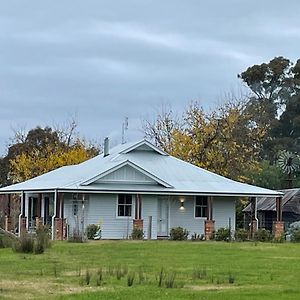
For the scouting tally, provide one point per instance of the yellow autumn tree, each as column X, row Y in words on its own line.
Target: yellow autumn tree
column 44, row 150
column 224, row 141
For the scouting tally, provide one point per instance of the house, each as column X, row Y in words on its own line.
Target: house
column 266, row 209
column 131, row 185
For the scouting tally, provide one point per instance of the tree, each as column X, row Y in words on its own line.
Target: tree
column 223, row 141
column 274, row 87
column 42, row 150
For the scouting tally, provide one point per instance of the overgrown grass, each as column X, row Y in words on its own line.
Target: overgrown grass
column 153, row 270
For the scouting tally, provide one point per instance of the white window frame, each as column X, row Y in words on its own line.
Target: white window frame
column 195, row 205
column 117, row 207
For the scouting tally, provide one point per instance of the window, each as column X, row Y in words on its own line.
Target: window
column 201, row 207
column 124, row 205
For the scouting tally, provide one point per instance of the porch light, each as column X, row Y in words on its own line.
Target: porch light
column 181, row 204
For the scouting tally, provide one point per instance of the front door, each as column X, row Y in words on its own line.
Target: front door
column 162, row 216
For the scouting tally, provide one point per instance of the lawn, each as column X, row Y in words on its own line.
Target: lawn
column 202, row 270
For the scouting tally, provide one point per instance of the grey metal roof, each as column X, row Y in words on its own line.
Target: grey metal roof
column 290, row 202
column 173, row 175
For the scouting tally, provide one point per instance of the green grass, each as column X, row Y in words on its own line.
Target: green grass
column 192, row 270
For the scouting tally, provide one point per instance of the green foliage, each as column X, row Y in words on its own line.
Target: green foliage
column 295, row 236
column 263, row 235
column 25, row 244
column 91, row 230
column 130, row 278
column 199, row 273
column 178, row 234
column 36, row 244
column 42, row 239
column 267, row 176
column 241, row 235
column 137, row 234
column 222, row 234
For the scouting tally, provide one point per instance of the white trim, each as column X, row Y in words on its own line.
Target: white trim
column 54, row 215
column 142, row 192
column 121, row 165
column 21, row 213
column 144, row 142
column 200, row 218
column 117, row 206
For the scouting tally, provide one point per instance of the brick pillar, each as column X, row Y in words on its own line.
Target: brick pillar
column 278, row 228
column 253, row 228
column 8, row 223
column 138, row 223
column 59, row 229
column 38, row 222
column 23, row 228
column 209, row 229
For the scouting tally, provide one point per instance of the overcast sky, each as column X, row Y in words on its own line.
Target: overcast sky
column 103, row 60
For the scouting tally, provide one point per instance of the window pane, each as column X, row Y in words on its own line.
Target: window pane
column 121, row 210
column 127, row 210
column 128, row 199
column 121, row 199
column 197, row 211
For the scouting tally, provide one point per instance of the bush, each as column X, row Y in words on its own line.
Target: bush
column 222, row 234
column 197, row 237
column 25, row 244
column 91, row 230
column 241, row 235
column 178, row 234
column 295, row 236
column 42, row 240
column 263, row 235
column 137, row 234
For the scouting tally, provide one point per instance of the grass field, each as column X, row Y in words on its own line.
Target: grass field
column 202, row 270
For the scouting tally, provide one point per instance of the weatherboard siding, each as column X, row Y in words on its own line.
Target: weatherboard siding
column 185, row 218
column 127, row 174
column 149, row 208
column 223, row 209
column 102, row 209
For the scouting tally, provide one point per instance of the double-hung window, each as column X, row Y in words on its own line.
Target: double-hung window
column 201, row 206
column 124, row 205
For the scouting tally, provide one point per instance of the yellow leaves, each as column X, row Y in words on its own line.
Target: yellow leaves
column 223, row 141
column 29, row 165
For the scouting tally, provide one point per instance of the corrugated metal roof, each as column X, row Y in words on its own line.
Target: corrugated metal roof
column 181, row 176
column 290, row 202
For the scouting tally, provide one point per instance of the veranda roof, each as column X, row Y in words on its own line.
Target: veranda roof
column 171, row 176
column 290, row 202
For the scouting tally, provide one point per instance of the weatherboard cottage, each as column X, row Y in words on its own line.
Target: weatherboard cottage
column 131, row 185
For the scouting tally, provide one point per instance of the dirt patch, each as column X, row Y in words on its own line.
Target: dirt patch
column 25, row 289
column 210, row 287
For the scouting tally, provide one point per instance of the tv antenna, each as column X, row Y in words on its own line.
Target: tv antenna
column 124, row 129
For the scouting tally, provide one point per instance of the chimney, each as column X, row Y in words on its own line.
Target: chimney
column 106, row 146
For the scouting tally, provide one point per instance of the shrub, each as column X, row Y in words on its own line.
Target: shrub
column 76, row 237
column 263, row 235
column 295, row 236
column 91, row 230
column 137, row 234
column 5, row 241
column 42, row 240
column 222, row 234
column 178, row 234
column 241, row 235
column 130, row 279
column 25, row 244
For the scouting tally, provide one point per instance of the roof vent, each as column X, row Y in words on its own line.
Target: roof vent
column 106, row 146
